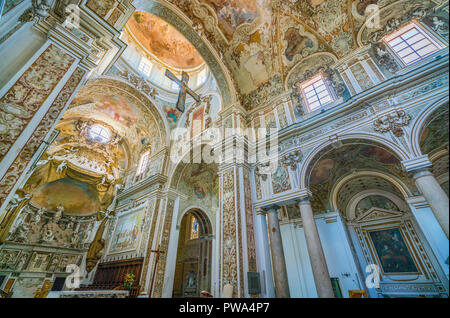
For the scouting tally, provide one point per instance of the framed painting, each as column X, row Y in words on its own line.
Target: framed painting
column 127, row 233
column 392, row 252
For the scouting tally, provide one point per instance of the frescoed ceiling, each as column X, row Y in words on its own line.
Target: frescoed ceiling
column 261, row 41
column 77, row 197
column 163, row 41
column 435, row 135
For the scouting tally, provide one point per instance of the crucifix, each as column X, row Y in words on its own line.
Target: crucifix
column 184, row 89
column 158, row 252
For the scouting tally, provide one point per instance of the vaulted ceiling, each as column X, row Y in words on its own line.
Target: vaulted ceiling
column 262, row 41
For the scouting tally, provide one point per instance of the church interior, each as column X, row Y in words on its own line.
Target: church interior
column 224, row 148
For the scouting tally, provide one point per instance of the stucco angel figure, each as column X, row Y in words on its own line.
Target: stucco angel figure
column 59, row 213
column 42, row 7
column 37, row 216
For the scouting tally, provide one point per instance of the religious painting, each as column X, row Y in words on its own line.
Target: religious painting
column 163, row 41
column 77, row 197
column 280, row 180
column 379, row 154
column 172, row 115
column 101, row 7
column 127, row 233
column 200, row 182
column 375, row 201
column 233, row 13
column 118, row 108
column 296, row 43
column 256, row 66
column 322, row 171
column 393, row 252
column 195, row 230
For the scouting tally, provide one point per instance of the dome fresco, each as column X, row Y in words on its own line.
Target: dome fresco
column 163, row 41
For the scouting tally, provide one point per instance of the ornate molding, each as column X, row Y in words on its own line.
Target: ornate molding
column 292, row 159
column 392, row 122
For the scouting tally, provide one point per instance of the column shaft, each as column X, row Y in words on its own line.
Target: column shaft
column 277, row 252
column 316, row 255
column 435, row 195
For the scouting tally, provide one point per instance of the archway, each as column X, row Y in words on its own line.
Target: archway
column 194, row 256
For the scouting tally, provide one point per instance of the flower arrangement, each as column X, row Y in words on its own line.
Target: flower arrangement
column 129, row 280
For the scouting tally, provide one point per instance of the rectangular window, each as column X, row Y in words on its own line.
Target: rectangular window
column 316, row 93
column 145, row 67
column 201, row 77
column 411, row 44
column 142, row 164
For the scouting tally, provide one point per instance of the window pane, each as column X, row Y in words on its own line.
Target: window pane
column 326, row 100
column 415, row 38
column 319, row 83
column 405, row 52
column 310, row 94
column 396, row 41
column 427, row 50
column 410, row 34
column 400, row 46
column 323, row 94
column 308, row 89
column 411, row 58
column 314, row 106
column 313, row 99
column 421, row 44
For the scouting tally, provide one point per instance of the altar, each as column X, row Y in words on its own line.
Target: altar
column 94, row 294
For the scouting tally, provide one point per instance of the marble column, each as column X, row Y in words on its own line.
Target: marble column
column 435, row 196
column 276, row 249
column 315, row 250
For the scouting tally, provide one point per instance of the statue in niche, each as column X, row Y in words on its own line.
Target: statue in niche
column 22, row 262
column 74, row 240
column 53, row 264
column 59, row 213
column 88, row 233
column 95, row 251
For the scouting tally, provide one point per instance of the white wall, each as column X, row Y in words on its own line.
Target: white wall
column 337, row 252
column 432, row 231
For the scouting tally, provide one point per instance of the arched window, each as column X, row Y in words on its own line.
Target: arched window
column 142, row 164
column 99, row 133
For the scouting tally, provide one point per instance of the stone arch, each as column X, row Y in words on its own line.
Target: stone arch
column 420, row 122
column 356, row 199
column 173, row 16
column 141, row 98
column 200, row 214
column 397, row 183
column 326, row 146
